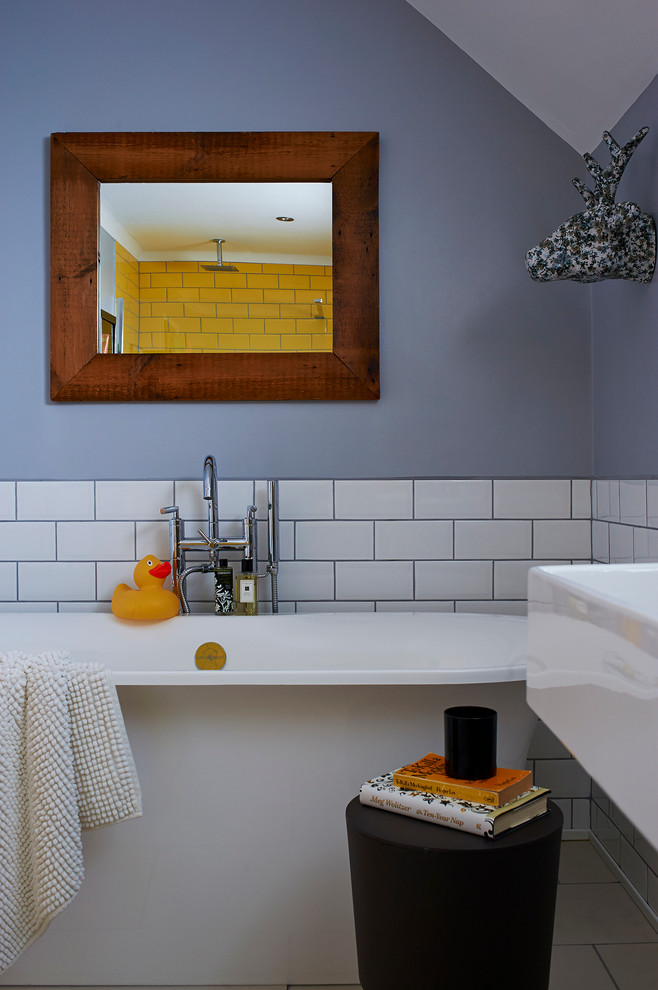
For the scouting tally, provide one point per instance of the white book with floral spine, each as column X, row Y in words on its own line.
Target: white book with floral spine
column 480, row 819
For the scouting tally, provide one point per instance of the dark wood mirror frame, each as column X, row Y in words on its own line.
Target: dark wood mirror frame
column 79, row 162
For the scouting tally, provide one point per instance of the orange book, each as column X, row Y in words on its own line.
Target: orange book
column 429, row 775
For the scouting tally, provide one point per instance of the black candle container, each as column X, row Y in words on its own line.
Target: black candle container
column 470, row 742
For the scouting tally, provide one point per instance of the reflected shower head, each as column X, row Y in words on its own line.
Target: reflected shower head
column 219, row 266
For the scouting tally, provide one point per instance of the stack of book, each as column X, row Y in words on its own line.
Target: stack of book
column 488, row 807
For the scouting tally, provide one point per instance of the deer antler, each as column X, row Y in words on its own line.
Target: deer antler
column 607, row 179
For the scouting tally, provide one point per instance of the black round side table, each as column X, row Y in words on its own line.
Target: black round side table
column 438, row 909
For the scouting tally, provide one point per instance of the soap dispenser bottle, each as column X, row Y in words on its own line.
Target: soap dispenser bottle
column 223, row 588
column 246, row 590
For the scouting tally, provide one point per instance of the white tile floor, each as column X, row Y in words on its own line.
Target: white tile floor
column 602, row 941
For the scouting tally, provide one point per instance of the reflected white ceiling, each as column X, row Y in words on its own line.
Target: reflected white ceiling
column 577, row 64
column 160, row 221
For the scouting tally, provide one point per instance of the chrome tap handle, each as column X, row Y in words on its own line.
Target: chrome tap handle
column 175, row 552
column 251, row 536
column 210, row 495
column 272, row 522
column 273, row 541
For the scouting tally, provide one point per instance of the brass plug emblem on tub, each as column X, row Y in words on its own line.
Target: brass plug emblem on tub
column 210, row 656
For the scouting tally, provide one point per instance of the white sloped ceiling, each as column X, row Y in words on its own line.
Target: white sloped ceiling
column 577, row 64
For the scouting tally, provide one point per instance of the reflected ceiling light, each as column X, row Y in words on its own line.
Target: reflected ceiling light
column 219, row 266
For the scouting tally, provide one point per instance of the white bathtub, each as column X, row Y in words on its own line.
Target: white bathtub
column 237, row 873
column 335, row 648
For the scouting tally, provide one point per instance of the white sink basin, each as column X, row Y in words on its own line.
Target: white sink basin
column 592, row 672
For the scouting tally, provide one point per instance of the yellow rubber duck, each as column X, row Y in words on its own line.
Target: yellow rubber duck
column 151, row 600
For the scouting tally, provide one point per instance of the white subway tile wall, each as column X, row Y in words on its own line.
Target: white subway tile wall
column 306, row 500
column 645, row 545
column 633, row 503
column 337, row 539
column 553, row 766
column 581, row 499
column 492, row 538
column 652, row 503
column 449, row 545
column 55, row 500
column 110, row 540
column 132, row 499
column 532, row 499
column 624, row 521
column 459, row 579
column 378, row 579
column 625, row 530
column 559, row 538
column 7, row 500
column 8, row 584
column 420, row 539
column 373, row 499
column 27, row 541
column 621, row 543
column 72, row 581
column 453, row 499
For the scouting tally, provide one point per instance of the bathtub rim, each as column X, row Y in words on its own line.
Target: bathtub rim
column 399, row 634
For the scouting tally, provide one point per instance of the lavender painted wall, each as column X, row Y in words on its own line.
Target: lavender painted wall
column 625, row 326
column 484, row 373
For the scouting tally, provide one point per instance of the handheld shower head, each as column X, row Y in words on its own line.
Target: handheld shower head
column 219, row 266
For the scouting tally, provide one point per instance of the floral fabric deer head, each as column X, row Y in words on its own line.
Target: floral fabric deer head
column 607, row 240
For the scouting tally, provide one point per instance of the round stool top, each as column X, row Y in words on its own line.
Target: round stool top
column 399, row 830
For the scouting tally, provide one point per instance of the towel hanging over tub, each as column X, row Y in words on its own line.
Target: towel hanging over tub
column 65, row 765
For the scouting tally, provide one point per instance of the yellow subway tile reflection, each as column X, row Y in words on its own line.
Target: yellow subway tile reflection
column 296, row 342
column 176, row 306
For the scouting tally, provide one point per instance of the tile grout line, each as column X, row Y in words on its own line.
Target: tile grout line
column 603, row 963
column 632, row 892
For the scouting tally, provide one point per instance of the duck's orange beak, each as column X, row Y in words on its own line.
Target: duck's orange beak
column 161, row 570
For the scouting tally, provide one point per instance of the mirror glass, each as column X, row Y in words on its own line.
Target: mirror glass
column 215, row 267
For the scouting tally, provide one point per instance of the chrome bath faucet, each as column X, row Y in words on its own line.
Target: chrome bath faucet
column 211, row 542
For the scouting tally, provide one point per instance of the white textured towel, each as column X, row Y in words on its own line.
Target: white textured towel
column 65, row 765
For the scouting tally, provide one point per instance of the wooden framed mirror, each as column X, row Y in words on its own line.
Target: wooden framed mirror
column 80, row 162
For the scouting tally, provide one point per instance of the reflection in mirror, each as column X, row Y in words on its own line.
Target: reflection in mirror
column 161, row 283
